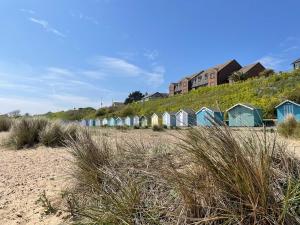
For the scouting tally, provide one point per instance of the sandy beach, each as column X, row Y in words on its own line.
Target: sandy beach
column 26, row 174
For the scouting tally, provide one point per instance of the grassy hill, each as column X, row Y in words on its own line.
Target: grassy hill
column 262, row 92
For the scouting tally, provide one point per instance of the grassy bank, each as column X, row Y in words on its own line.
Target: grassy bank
column 264, row 92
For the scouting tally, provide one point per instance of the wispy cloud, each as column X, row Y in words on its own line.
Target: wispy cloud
column 45, row 25
column 118, row 67
column 84, row 17
column 27, row 11
column 151, row 55
column 282, row 58
column 273, row 62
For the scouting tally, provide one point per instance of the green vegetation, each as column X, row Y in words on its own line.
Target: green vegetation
column 56, row 135
column 289, row 128
column 210, row 176
column 5, row 124
column 28, row 132
column 265, row 92
column 133, row 97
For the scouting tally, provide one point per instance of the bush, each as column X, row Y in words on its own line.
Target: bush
column 52, row 135
column 209, row 177
column 287, row 128
column 5, row 124
column 122, row 128
column 56, row 135
column 136, row 127
column 25, row 132
column 157, row 128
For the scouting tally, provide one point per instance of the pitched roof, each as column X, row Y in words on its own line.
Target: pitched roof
column 209, row 108
column 189, row 111
column 157, row 114
column 245, row 69
column 296, row 61
column 170, row 113
column 150, row 95
column 243, row 104
column 222, row 66
column 286, row 102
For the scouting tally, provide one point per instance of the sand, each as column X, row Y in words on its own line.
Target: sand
column 25, row 174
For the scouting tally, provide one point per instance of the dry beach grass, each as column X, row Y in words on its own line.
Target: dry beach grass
column 25, row 174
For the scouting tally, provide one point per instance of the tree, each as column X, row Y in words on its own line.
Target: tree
column 134, row 97
column 267, row 73
column 237, row 76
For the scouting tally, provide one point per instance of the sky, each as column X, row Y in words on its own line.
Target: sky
column 63, row 54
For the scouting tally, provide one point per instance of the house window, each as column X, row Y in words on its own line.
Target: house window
column 212, row 76
column 206, row 76
column 288, row 109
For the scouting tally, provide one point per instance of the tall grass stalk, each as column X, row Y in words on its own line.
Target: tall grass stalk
column 209, row 176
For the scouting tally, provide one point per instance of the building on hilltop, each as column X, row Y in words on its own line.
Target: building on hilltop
column 252, row 70
column 213, row 76
column 154, row 96
column 296, row 64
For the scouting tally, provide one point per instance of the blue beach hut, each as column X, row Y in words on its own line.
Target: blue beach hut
column 245, row 115
column 287, row 108
column 185, row 118
column 169, row 119
column 91, row 123
column 209, row 116
column 129, row 121
column 120, row 121
column 112, row 122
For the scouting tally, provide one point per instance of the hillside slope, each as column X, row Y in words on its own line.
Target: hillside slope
column 262, row 92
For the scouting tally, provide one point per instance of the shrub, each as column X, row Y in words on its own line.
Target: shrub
column 287, row 128
column 25, row 132
column 56, row 135
column 165, row 126
column 52, row 135
column 157, row 128
column 136, row 127
column 5, row 124
column 122, row 128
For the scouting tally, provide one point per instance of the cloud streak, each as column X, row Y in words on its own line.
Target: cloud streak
column 45, row 25
column 117, row 67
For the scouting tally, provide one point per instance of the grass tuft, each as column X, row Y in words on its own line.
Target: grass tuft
column 209, row 176
column 5, row 124
column 25, row 132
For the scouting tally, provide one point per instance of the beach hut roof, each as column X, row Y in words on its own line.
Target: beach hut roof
column 170, row 113
column 286, row 102
column 246, row 105
column 209, row 109
column 189, row 111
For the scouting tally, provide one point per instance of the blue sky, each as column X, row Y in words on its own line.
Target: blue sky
column 56, row 55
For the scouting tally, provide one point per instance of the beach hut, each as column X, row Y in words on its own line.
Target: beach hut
column 156, row 119
column 105, row 122
column 209, row 116
column 244, row 115
column 169, row 119
column 185, row 118
column 129, row 121
column 136, row 121
column 91, row 123
column 120, row 121
column 145, row 121
column 98, row 123
column 84, row 123
column 112, row 122
column 288, row 108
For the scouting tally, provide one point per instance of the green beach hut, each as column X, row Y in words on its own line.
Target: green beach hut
column 245, row 115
